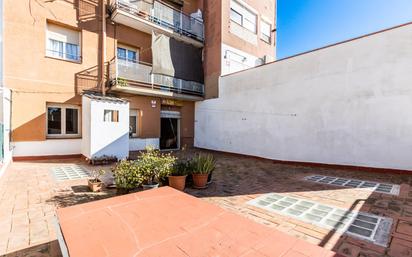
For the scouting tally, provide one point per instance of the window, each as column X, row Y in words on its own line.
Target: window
column 111, row 116
column 134, row 123
column 265, row 31
column 242, row 16
column 127, row 55
column 63, row 43
column 63, row 120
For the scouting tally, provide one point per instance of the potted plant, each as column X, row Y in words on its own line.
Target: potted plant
column 203, row 165
column 177, row 177
column 154, row 167
column 127, row 176
column 95, row 184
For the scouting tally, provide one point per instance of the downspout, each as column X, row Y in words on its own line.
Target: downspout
column 103, row 46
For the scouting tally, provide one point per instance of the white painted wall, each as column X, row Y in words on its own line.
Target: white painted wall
column 86, row 129
column 47, row 147
column 349, row 104
column 137, row 144
column 105, row 138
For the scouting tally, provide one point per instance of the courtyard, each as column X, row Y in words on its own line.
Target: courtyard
column 30, row 194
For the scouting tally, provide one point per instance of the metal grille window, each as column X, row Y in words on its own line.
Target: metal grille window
column 111, row 116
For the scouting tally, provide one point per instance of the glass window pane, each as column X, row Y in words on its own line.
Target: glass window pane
column 72, row 118
column 55, row 48
column 133, row 125
column 249, row 25
column 131, row 56
column 54, row 120
column 121, row 53
column 72, row 52
column 235, row 16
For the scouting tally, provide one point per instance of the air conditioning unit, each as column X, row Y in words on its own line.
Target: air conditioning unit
column 268, row 58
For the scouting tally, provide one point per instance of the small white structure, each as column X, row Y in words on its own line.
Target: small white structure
column 105, row 126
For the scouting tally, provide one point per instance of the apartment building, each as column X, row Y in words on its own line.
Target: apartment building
column 97, row 77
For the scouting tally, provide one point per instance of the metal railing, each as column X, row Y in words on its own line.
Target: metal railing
column 165, row 16
column 141, row 73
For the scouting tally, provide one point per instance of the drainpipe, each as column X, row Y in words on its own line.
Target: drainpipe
column 103, row 46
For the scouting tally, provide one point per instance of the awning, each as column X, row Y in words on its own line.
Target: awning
column 176, row 59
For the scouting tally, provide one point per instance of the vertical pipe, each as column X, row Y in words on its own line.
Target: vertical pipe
column 103, row 46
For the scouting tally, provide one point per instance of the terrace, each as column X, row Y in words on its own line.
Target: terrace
column 30, row 195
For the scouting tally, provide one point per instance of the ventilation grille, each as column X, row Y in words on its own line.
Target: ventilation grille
column 354, row 183
column 365, row 226
column 69, row 172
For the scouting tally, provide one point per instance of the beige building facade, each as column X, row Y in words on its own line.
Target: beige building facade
column 58, row 52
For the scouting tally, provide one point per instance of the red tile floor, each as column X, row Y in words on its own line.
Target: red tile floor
column 29, row 197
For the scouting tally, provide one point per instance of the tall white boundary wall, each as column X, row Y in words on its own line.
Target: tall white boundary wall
column 349, row 104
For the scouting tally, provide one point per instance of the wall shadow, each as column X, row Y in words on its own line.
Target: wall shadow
column 50, row 249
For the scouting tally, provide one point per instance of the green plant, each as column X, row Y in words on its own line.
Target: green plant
column 96, row 174
column 121, row 82
column 127, row 175
column 155, row 165
column 203, row 164
column 181, row 168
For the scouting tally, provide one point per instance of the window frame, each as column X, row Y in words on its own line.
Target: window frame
column 114, row 117
column 135, row 112
column 64, row 52
column 63, row 133
column 270, row 32
column 242, row 16
column 128, row 49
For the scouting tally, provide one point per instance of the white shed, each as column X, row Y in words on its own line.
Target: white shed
column 105, row 126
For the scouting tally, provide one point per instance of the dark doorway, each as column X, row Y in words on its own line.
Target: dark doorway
column 169, row 133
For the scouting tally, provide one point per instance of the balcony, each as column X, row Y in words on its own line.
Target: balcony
column 157, row 16
column 137, row 78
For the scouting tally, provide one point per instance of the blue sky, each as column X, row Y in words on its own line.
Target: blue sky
column 304, row 25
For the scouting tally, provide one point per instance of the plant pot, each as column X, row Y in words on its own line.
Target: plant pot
column 95, row 186
column 200, row 180
column 177, row 182
column 150, row 186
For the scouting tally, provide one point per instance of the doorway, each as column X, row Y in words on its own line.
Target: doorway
column 169, row 130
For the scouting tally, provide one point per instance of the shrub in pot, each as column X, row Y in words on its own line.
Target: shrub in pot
column 177, row 177
column 95, row 184
column 203, row 165
column 127, row 176
column 154, row 166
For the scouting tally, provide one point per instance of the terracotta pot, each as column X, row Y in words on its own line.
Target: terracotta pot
column 150, row 186
column 200, row 180
column 95, row 186
column 177, row 182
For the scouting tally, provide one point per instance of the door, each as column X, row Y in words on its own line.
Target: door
column 169, row 130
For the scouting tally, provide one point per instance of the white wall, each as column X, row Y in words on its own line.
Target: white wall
column 349, row 104
column 137, row 144
column 47, row 147
column 86, row 114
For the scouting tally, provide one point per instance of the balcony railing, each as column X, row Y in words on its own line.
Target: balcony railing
column 140, row 74
column 164, row 16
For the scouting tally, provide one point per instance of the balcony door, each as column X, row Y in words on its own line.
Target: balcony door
column 128, row 62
